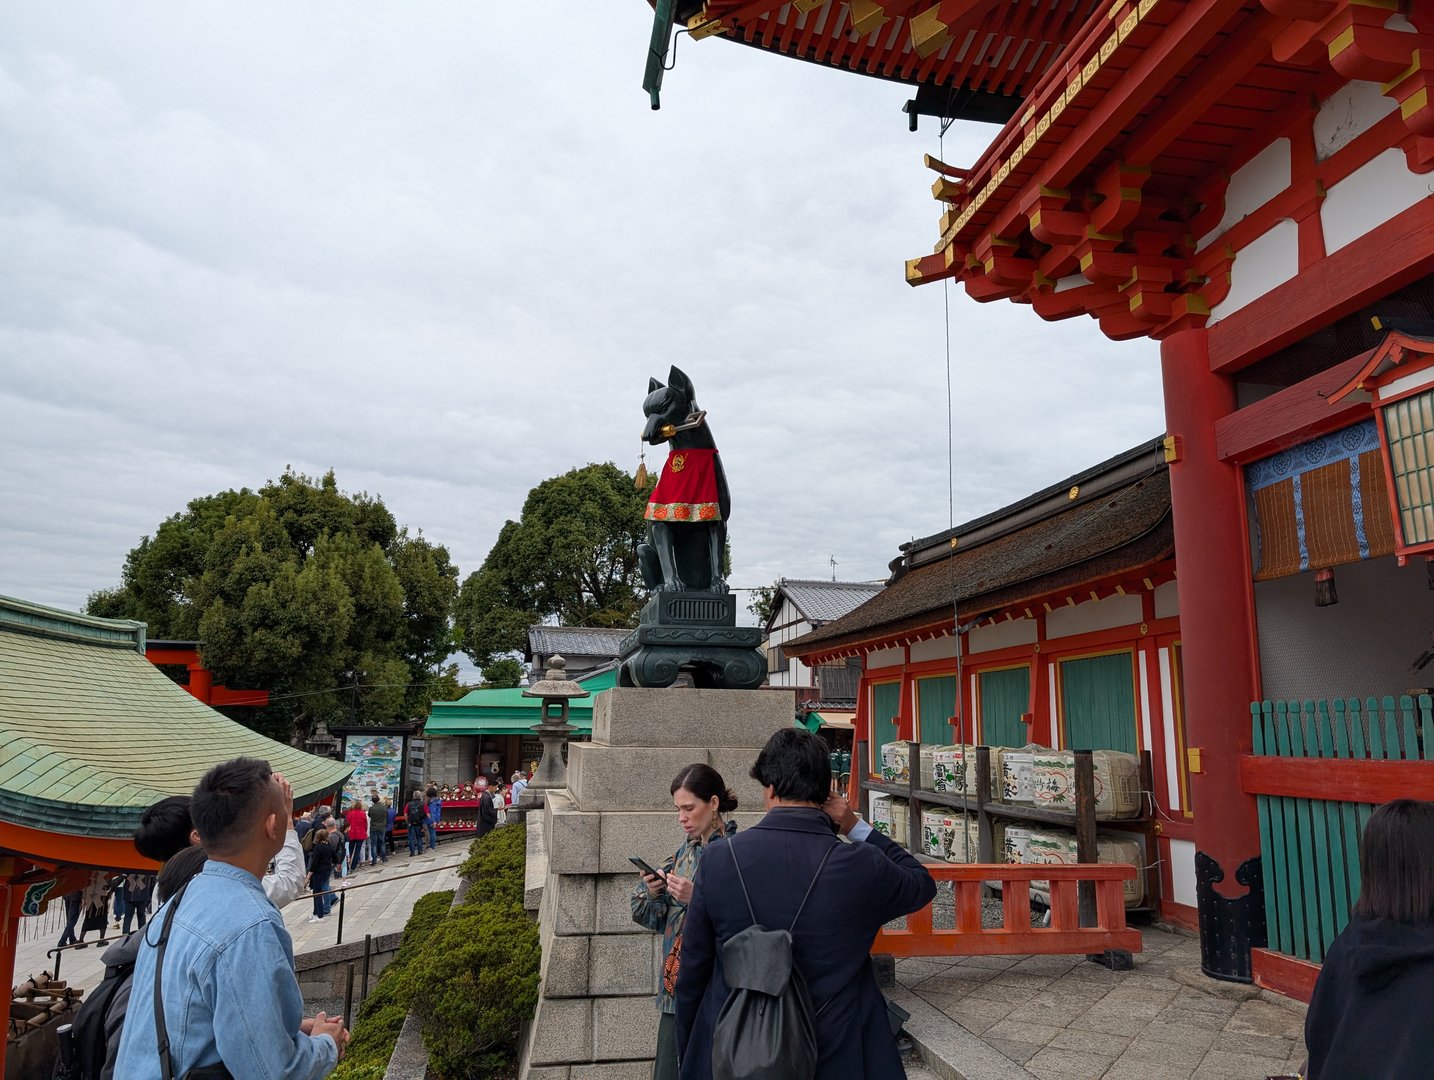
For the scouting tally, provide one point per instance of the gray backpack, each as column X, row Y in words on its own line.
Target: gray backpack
column 767, row 1029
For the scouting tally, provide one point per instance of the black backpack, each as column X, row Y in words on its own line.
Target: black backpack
column 89, row 1023
column 767, row 1029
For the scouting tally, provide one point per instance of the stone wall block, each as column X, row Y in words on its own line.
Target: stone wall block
column 566, row 962
column 575, row 904
column 735, row 765
column 652, row 836
column 573, row 839
column 563, row 1031
column 680, row 716
column 624, row 1028
column 612, row 903
column 622, row 964
column 614, row 1070
column 626, row 778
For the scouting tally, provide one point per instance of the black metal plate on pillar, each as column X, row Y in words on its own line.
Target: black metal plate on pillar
column 1229, row 929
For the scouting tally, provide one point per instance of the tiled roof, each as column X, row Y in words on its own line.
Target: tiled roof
column 92, row 733
column 574, row 641
column 1121, row 530
column 822, row 601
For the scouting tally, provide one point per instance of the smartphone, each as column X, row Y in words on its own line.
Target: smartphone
column 643, row 866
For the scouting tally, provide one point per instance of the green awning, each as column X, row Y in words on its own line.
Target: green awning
column 508, row 712
column 92, row 733
column 831, row 718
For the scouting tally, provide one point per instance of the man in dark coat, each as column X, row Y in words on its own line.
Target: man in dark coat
column 487, row 812
column 865, row 884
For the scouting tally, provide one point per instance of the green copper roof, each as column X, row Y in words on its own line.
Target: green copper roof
column 92, row 733
column 508, row 712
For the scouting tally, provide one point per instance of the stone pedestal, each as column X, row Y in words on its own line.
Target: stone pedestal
column 693, row 633
column 596, row 1019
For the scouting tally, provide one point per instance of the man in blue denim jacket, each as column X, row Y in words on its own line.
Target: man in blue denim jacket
column 230, row 994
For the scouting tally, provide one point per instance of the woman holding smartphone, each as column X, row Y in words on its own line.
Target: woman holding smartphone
column 660, row 900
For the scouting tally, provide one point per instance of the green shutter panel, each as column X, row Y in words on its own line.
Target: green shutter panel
column 1005, row 695
column 1098, row 698
column 937, row 701
column 885, row 704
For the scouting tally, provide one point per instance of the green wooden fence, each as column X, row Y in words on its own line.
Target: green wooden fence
column 1311, row 845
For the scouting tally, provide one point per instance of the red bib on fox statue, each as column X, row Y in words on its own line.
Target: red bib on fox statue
column 687, row 488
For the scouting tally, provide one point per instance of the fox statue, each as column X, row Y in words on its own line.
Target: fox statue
column 687, row 511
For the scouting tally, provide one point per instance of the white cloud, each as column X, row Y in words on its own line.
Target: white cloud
column 440, row 247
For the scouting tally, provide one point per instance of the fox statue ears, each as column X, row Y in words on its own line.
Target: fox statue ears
column 682, row 384
column 678, row 380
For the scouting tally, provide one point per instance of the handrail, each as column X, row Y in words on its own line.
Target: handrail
column 1016, row 935
column 58, row 950
column 344, row 890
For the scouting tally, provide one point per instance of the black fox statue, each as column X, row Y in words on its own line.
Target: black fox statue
column 688, row 629
column 688, row 510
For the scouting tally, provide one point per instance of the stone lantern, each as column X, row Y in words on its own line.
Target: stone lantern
column 321, row 743
column 556, row 690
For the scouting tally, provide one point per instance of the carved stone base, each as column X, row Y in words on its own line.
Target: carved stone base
column 694, row 634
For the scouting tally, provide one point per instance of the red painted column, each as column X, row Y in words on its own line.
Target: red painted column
column 1218, row 634
column 201, row 682
column 9, row 945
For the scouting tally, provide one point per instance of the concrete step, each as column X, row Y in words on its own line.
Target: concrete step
column 919, row 1072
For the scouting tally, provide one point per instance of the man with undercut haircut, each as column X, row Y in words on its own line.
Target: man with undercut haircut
column 227, row 990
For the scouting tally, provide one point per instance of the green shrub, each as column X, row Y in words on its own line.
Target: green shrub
column 497, row 862
column 474, row 981
column 381, row 1016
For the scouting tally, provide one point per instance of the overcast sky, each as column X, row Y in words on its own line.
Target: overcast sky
column 440, row 247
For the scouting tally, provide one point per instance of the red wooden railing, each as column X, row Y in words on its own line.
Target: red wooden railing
column 1016, row 936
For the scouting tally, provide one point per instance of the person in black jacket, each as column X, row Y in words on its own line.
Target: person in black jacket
column 863, row 885
column 322, row 859
column 487, row 812
column 416, row 814
column 1369, row 1016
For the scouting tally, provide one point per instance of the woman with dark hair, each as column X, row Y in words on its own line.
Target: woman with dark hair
column 322, row 859
column 1368, row 1017
column 660, row 900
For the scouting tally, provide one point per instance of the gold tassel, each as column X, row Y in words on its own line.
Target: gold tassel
column 641, row 480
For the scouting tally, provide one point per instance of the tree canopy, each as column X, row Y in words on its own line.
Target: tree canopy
column 572, row 555
column 302, row 590
column 503, row 674
column 762, row 600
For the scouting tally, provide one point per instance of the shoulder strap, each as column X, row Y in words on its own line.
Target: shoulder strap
column 800, row 907
column 166, row 1067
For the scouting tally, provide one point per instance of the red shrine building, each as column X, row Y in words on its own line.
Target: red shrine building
column 1247, row 183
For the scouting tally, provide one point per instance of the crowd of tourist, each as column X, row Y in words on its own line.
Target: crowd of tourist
column 212, row 980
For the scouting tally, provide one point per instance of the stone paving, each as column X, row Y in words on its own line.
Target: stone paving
column 381, row 909
column 1065, row 1018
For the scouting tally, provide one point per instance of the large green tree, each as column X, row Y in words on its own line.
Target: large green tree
column 315, row 595
column 571, row 556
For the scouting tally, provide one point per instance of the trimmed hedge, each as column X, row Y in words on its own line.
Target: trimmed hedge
column 470, row 973
column 475, row 981
column 381, row 1016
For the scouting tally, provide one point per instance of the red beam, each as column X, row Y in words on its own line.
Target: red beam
column 1347, row 779
column 159, row 656
column 1283, row 974
column 1294, row 415
column 42, row 846
column 222, row 695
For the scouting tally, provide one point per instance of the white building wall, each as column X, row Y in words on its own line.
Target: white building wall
column 1094, row 615
column 794, row 672
column 1370, row 196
